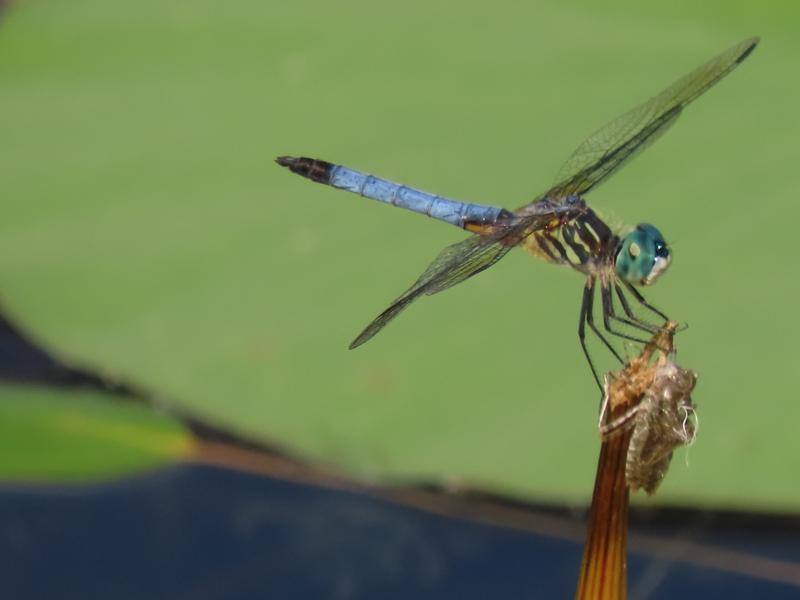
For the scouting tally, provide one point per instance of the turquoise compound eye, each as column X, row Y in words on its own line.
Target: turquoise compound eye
column 642, row 255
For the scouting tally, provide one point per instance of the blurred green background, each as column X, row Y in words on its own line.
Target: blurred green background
column 147, row 234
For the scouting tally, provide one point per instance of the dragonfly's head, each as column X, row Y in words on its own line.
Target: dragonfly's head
column 642, row 255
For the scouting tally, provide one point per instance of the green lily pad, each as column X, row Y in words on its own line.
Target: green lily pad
column 147, row 234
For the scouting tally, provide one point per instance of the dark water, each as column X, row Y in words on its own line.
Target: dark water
column 204, row 532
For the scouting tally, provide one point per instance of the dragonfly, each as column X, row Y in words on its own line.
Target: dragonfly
column 558, row 225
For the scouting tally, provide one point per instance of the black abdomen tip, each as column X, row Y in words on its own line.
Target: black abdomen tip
column 750, row 47
column 286, row 161
column 313, row 169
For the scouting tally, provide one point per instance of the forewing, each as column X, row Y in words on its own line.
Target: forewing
column 461, row 261
column 614, row 144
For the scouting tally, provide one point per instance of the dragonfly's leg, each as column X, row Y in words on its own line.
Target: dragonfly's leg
column 608, row 313
column 632, row 319
column 643, row 302
column 586, row 304
column 590, row 321
column 635, row 321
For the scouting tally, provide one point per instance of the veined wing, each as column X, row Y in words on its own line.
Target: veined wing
column 614, row 144
column 593, row 161
column 469, row 257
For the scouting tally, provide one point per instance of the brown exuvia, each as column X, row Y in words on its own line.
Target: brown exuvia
column 662, row 421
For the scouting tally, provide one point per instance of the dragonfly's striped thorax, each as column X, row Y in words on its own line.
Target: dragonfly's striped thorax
column 585, row 243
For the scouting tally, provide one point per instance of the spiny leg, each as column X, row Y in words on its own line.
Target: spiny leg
column 632, row 319
column 590, row 321
column 585, row 307
column 643, row 302
column 635, row 321
column 607, row 300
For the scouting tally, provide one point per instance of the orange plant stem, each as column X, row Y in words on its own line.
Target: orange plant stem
column 603, row 573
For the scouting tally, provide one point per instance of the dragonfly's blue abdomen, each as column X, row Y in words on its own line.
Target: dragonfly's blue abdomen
column 444, row 209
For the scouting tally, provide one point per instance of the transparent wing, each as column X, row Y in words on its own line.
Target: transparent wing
column 461, row 261
column 614, row 144
column 453, row 265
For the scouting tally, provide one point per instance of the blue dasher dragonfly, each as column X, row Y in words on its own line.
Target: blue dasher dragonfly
column 558, row 225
